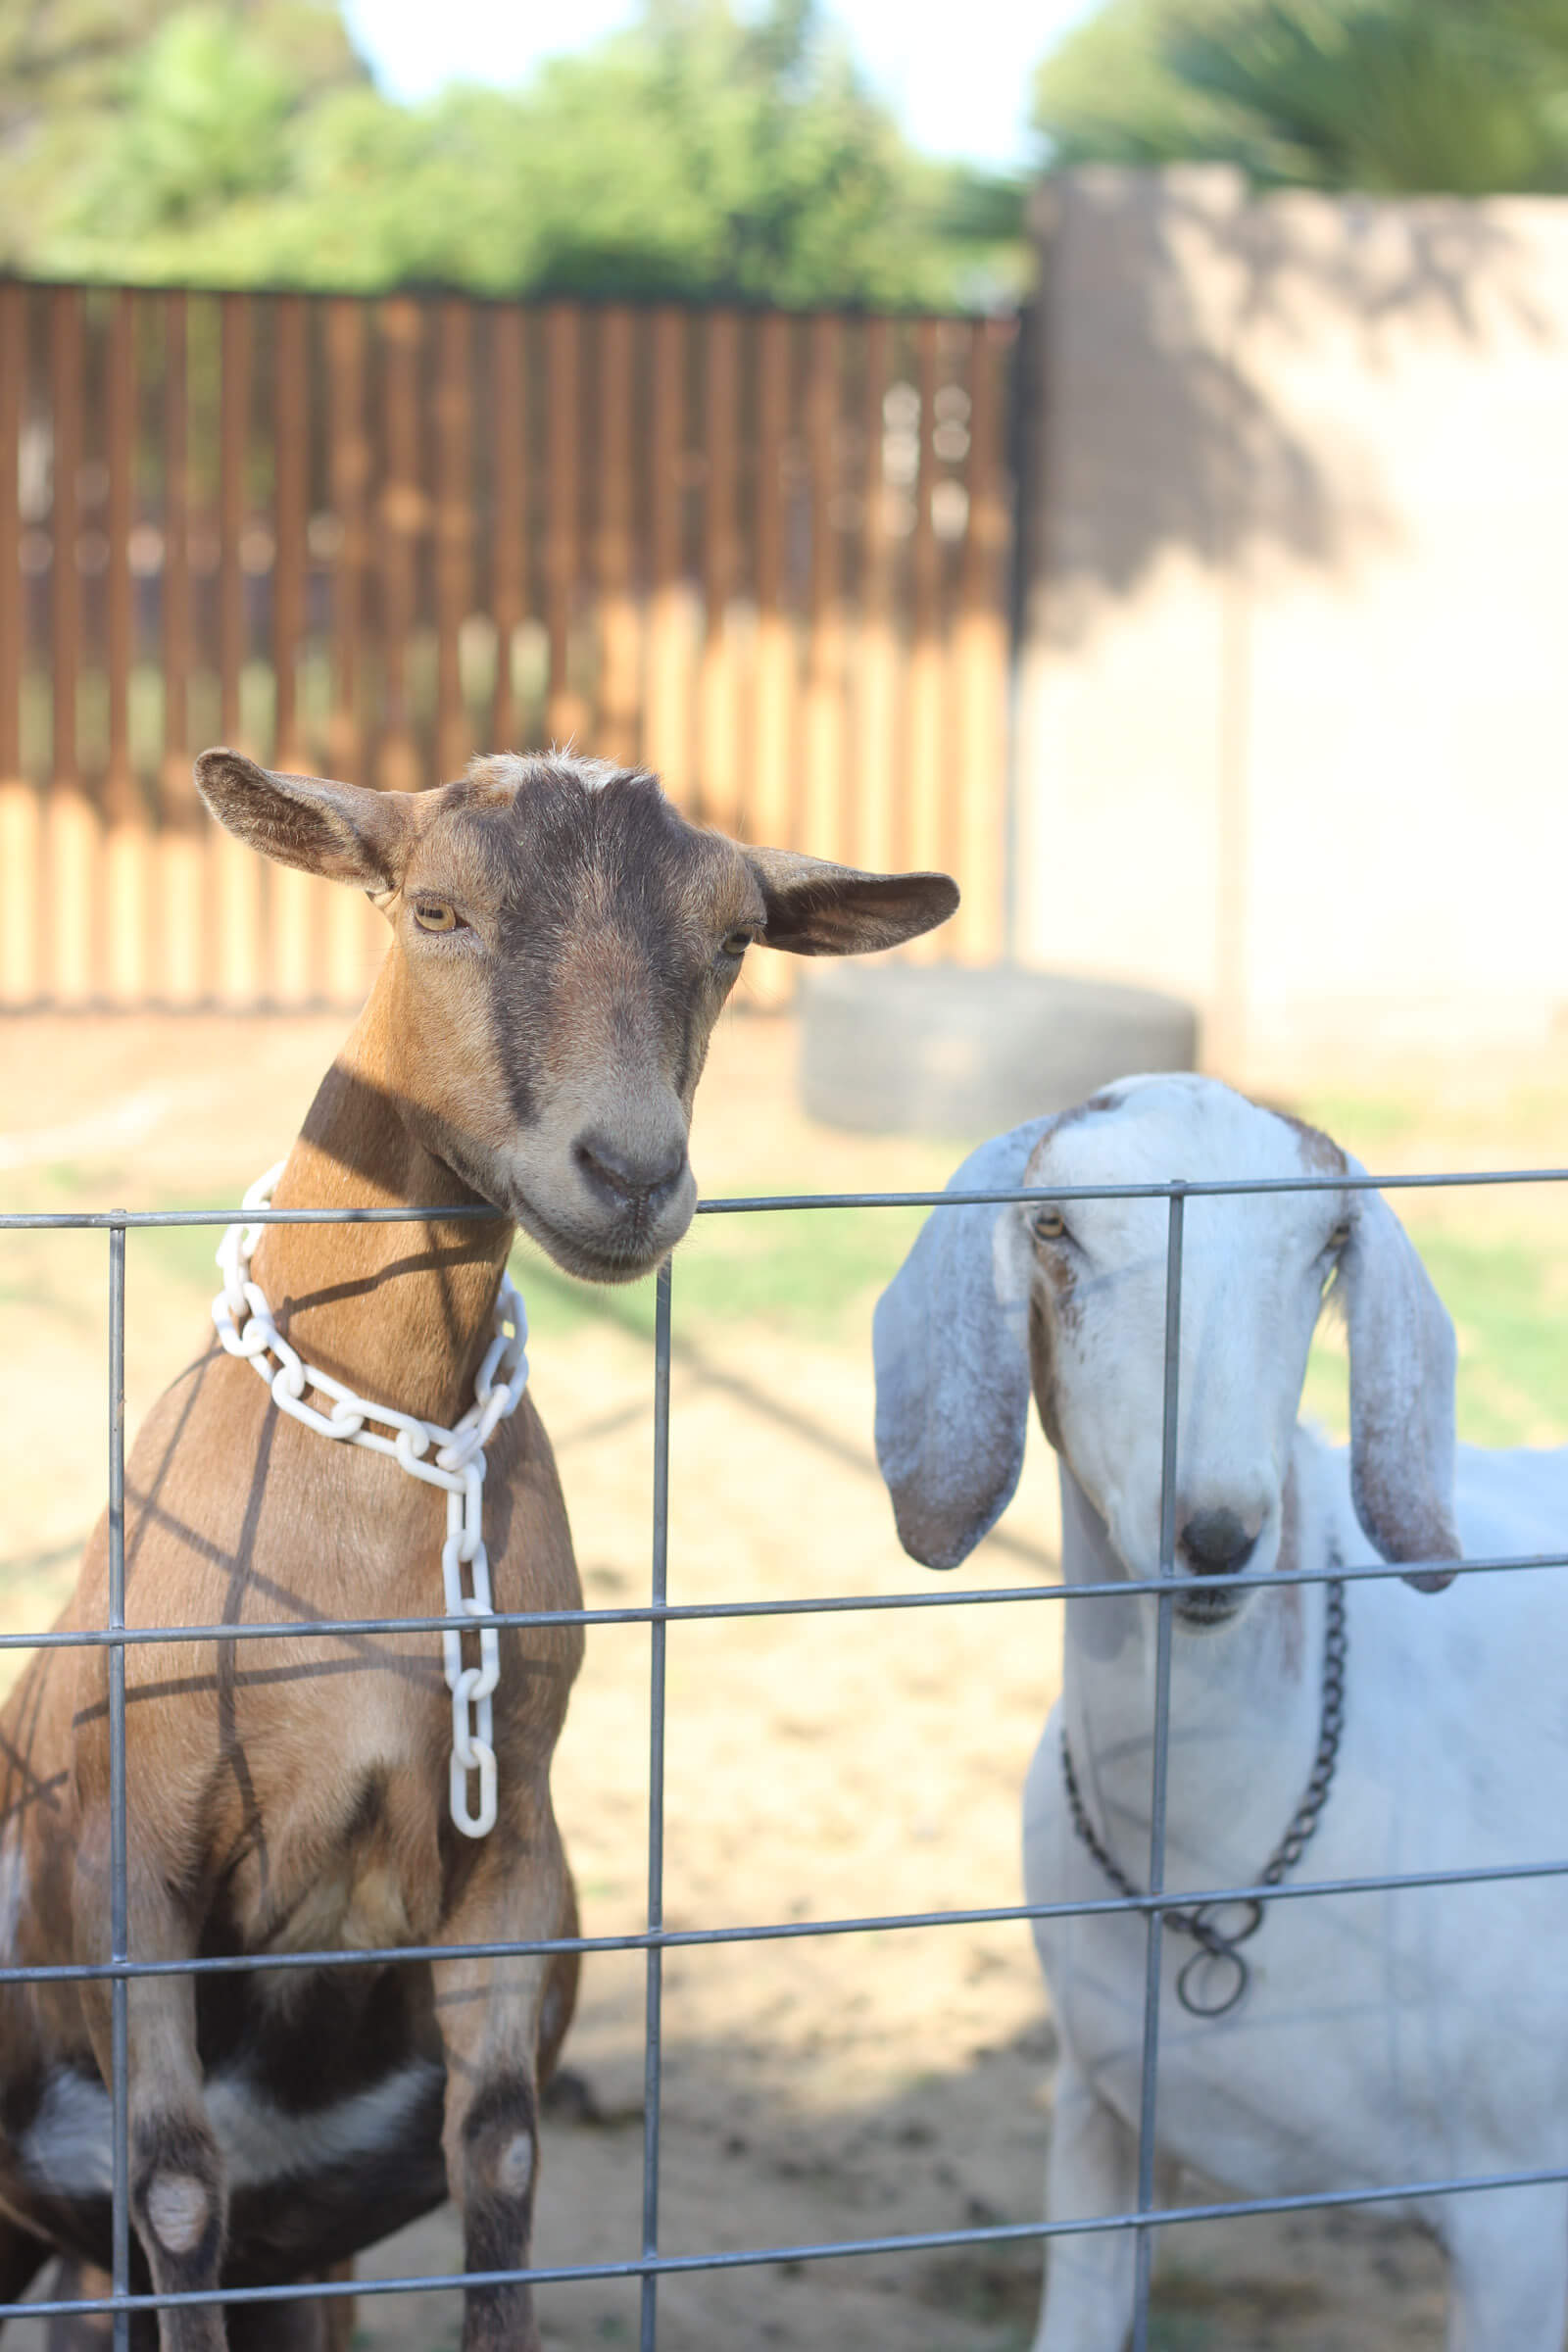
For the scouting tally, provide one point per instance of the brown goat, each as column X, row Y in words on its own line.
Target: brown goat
column 561, row 943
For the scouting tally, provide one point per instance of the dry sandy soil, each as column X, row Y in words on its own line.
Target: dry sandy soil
column 818, row 1767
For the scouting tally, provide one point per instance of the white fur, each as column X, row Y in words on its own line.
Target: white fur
column 1384, row 2037
column 515, row 2166
column 66, row 2149
column 177, row 2209
column 13, row 1884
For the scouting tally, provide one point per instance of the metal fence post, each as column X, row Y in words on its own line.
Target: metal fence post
column 1149, row 2084
column 119, row 1905
column 653, row 2053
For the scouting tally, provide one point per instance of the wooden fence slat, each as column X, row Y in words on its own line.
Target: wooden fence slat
column 774, row 735
column 291, row 425
column 233, row 428
column 66, row 385
column 22, row 979
column 859, row 717
column 824, row 779
column 773, row 701
column 127, row 960
column 565, row 711
column 980, row 661
column 509, row 529
column 454, row 532
column 404, row 511
column 236, row 878
column 619, row 637
column 119, row 790
column 352, row 929
column 73, row 824
column 177, row 796
column 180, row 922
column 12, row 371
column 922, row 826
column 668, row 714
column 296, row 901
column 20, row 833
column 348, row 485
column 719, row 784
column 878, row 730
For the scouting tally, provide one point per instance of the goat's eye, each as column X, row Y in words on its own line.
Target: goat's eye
column 435, row 914
column 737, row 942
column 1048, row 1225
column 1340, row 1234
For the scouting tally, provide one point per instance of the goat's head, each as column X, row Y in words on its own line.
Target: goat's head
column 563, row 941
column 1069, row 1297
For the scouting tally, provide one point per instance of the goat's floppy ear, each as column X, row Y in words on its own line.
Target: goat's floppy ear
column 1401, row 1394
column 949, row 1340
column 344, row 831
column 814, row 909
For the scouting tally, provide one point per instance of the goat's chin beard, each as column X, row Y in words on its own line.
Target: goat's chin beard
column 1204, row 1608
column 625, row 1257
column 622, row 1252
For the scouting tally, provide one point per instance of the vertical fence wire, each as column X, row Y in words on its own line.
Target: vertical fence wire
column 653, row 2047
column 649, row 2265
column 1148, row 2087
column 118, row 1899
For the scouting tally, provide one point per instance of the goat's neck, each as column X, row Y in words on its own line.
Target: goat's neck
column 1245, row 1702
column 398, row 1312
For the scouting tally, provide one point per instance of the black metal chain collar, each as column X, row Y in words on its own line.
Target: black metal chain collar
column 1219, row 1944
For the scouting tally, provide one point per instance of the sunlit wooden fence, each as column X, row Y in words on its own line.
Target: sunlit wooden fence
column 764, row 552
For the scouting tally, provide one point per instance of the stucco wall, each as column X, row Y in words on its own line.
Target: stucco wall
column 1295, row 678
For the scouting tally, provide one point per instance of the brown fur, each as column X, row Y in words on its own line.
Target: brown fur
column 290, row 1794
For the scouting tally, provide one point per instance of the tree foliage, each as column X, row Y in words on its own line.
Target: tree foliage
column 1395, row 96
column 701, row 152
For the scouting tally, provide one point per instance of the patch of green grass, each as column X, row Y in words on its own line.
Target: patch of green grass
column 1509, row 1301
column 1362, row 1122
column 805, row 1269
column 185, row 1254
column 1178, row 2331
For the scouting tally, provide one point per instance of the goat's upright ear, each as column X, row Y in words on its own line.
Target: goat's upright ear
column 814, row 909
column 344, row 831
column 950, row 1342
column 1402, row 1358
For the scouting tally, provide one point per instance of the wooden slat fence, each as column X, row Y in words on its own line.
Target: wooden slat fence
column 765, row 554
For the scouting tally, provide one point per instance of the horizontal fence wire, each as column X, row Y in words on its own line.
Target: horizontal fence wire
column 744, row 2258
column 752, row 1205
column 650, row 2265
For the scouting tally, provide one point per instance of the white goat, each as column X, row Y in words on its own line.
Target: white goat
column 1412, row 2035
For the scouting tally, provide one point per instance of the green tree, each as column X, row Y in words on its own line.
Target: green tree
column 1468, row 96
column 127, row 111
column 700, row 153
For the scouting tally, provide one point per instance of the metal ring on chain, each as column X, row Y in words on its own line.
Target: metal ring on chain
column 1197, row 1989
column 450, row 1458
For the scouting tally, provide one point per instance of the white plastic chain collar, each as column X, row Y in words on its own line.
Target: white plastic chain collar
column 451, row 1458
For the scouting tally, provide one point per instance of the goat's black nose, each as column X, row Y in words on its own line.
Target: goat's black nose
column 624, row 1178
column 1216, row 1542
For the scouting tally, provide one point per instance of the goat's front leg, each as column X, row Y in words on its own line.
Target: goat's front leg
column 93, row 2330
column 314, row 2323
column 178, row 2198
column 22, row 2257
column 501, row 2023
column 1092, row 2168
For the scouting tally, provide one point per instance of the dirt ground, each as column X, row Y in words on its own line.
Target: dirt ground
column 816, row 1767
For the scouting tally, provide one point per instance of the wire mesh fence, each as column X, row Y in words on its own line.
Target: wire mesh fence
column 648, row 2263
